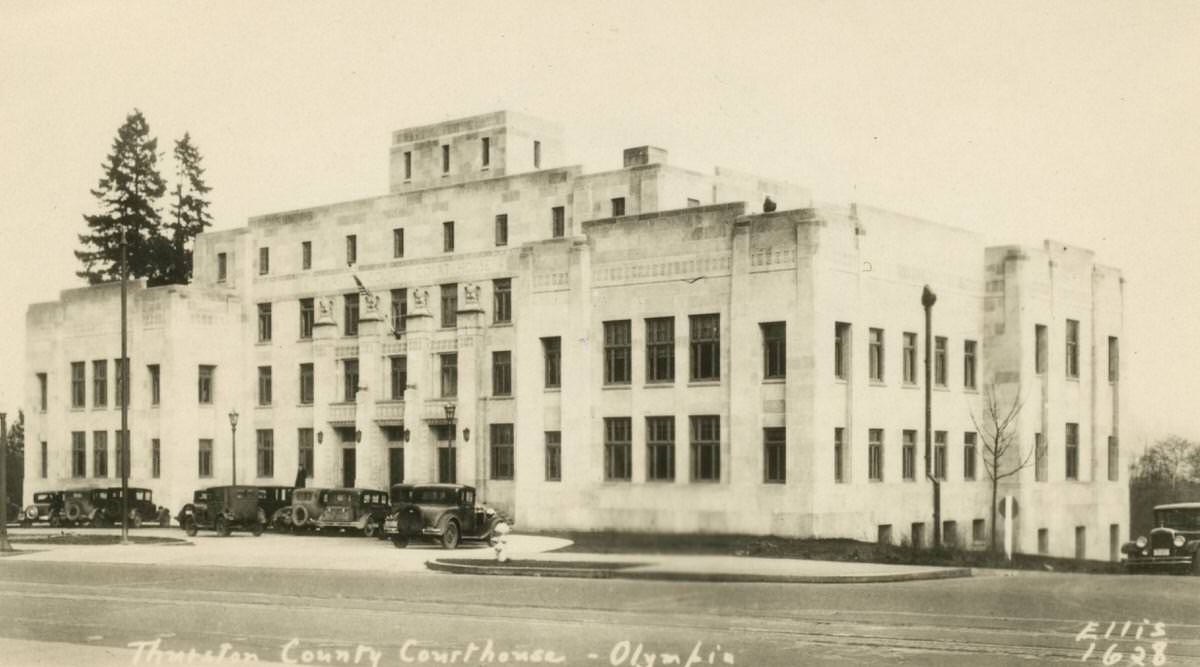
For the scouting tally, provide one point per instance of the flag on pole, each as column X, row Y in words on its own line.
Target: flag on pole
column 372, row 301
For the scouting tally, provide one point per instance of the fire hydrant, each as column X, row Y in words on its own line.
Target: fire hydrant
column 500, row 541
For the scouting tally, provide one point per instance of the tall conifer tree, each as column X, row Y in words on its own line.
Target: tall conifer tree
column 128, row 196
column 189, row 210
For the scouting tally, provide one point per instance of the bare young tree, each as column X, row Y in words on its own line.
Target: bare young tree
column 1001, row 453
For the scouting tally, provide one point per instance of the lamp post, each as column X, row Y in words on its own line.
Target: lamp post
column 123, row 374
column 928, row 298
column 4, row 545
column 233, row 417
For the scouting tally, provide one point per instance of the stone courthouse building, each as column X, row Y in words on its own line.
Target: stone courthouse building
column 639, row 349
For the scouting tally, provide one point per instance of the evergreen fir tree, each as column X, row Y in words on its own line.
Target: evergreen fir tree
column 189, row 210
column 128, row 196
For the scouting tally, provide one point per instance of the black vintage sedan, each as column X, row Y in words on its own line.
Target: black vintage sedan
column 1173, row 543
column 442, row 513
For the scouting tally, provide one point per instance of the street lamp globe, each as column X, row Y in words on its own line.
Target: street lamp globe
column 233, row 417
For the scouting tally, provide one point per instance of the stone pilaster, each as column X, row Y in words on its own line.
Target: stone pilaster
column 420, row 459
column 326, row 461
column 370, row 462
column 740, row 447
column 471, row 364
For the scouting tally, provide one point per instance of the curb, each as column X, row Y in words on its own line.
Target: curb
column 708, row 577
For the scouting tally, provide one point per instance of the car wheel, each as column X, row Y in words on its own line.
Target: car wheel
column 189, row 526
column 370, row 528
column 135, row 519
column 222, row 527
column 450, row 536
column 399, row 542
column 256, row 529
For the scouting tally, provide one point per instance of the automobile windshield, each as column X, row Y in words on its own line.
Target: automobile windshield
column 434, row 496
column 200, row 497
column 1179, row 519
column 339, row 498
column 42, row 497
column 401, row 494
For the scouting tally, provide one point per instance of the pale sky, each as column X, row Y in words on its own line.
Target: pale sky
column 1076, row 121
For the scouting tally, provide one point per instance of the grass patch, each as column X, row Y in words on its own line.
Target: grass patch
column 834, row 549
column 540, row 564
column 74, row 539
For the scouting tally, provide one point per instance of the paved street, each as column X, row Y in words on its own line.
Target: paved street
column 94, row 610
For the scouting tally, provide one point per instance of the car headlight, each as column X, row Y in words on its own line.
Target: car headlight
column 1180, row 540
column 1141, row 541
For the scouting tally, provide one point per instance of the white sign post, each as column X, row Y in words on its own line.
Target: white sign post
column 1008, row 527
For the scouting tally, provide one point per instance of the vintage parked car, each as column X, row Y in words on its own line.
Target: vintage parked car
column 102, row 507
column 445, row 513
column 307, row 505
column 362, row 510
column 1173, row 543
column 276, row 503
column 47, row 506
column 223, row 509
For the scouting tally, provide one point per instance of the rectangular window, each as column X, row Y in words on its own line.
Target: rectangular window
column 618, row 207
column 448, row 236
column 841, row 350
column 502, row 229
column 1072, row 348
column 908, row 455
column 350, row 310
column 399, row 310
column 875, row 354
column 558, row 222
column 917, row 534
column 969, row 452
column 307, row 315
column 617, row 459
column 1114, row 359
column 774, row 455
column 883, row 533
column 305, row 255
column 706, row 347
column 43, row 391
column 264, row 385
column 222, row 267
column 350, row 380
column 486, row 151
column 617, row 355
column 1043, row 541
column 553, row 456
column 940, row 347
column 306, row 384
column 155, row 384
column 449, row 305
column 445, row 158
column 502, row 373
column 537, row 154
column 875, row 454
column 45, row 460
column 399, row 374
column 78, row 455
column 100, row 383
column 939, row 455
column 398, row 242
column 1041, row 462
column 910, row 358
column 449, row 374
column 969, row 364
column 950, row 533
column 121, row 388
column 660, row 449
column 839, row 454
column 1080, row 542
column 206, row 385
column 706, row 448
column 979, row 531
column 1072, row 451
column 99, row 454
column 264, row 261
column 266, row 452
column 1114, row 459
column 552, row 359
column 264, row 322
column 120, row 448
column 660, row 349
column 78, row 386
column 502, row 451
column 407, row 165
column 304, row 439
column 351, row 249
column 502, row 300
column 774, row 350
column 1039, row 348
column 204, row 458
column 155, row 458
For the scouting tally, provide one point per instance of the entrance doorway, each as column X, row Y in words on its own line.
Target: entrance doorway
column 348, row 468
column 447, row 454
column 395, row 465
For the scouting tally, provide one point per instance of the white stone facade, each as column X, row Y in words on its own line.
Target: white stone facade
column 685, row 247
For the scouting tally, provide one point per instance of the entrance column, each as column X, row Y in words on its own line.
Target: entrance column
column 471, row 455
column 325, row 387
column 421, row 461
column 371, row 459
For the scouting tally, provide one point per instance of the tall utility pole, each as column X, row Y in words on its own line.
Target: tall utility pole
column 123, row 373
column 4, row 545
column 928, row 298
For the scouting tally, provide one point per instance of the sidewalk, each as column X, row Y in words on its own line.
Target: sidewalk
column 693, row 568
